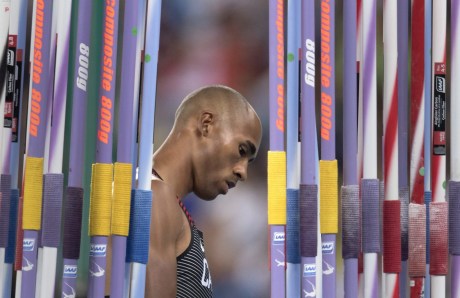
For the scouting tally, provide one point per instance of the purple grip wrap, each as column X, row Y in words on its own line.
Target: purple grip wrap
column 454, row 220
column 404, row 199
column 350, row 222
column 308, row 202
column 417, row 240
column 370, row 215
column 72, row 223
column 11, row 249
column 52, row 209
column 292, row 227
column 5, row 189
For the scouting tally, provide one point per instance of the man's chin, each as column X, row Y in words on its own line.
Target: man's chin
column 207, row 196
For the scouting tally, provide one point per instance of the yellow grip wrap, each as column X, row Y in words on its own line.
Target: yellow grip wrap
column 276, row 187
column 122, row 175
column 33, row 187
column 101, row 199
column 329, row 204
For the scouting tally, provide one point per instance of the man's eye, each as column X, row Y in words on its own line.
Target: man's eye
column 242, row 151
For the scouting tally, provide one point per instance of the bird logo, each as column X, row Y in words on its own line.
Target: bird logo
column 98, row 273
column 29, row 265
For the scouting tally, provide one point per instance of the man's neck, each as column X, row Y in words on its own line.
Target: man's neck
column 174, row 165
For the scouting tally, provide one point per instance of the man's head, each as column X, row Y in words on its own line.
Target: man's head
column 226, row 133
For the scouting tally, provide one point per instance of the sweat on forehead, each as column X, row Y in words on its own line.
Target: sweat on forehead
column 216, row 98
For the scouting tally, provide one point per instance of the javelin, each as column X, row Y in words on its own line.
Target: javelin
column 292, row 154
column 6, row 101
column 350, row 188
column 391, row 204
column 370, row 183
column 123, row 166
column 328, row 163
column 403, row 126
column 34, row 165
column 138, row 241
column 308, row 197
column 427, row 138
column 21, row 103
column 46, row 187
column 19, row 24
column 417, row 208
column 454, row 183
column 54, row 179
column 359, row 65
column 75, row 192
column 276, row 155
column 137, row 77
column 438, row 206
column 102, row 171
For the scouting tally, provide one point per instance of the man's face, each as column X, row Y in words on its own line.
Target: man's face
column 225, row 154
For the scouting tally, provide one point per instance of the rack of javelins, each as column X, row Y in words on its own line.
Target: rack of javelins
column 363, row 157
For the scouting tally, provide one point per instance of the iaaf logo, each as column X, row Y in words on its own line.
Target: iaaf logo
column 28, row 244
column 98, row 250
column 328, row 248
column 309, row 270
column 10, row 58
column 70, row 271
column 441, row 85
column 278, row 238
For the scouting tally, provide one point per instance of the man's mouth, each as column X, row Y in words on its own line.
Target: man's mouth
column 231, row 184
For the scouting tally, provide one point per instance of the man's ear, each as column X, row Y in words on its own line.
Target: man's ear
column 206, row 121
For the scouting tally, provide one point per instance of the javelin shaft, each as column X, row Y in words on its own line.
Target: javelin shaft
column 152, row 41
column 454, row 190
column 292, row 154
column 276, row 145
column 36, row 147
column 125, row 146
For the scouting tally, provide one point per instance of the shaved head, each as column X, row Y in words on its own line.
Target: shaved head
column 223, row 101
column 221, row 135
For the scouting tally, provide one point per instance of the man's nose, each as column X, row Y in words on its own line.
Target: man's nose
column 241, row 170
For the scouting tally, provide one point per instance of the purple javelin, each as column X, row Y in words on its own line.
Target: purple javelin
column 37, row 128
column 125, row 133
column 104, row 132
column 107, row 84
column 327, row 21
column 308, row 198
column 75, row 191
column 80, row 94
column 40, row 76
column 276, row 53
column 403, row 128
column 277, row 128
column 350, row 92
column 350, row 138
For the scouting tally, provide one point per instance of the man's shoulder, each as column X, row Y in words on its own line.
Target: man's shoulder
column 165, row 202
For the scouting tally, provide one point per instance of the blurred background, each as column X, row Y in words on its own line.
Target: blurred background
column 222, row 42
